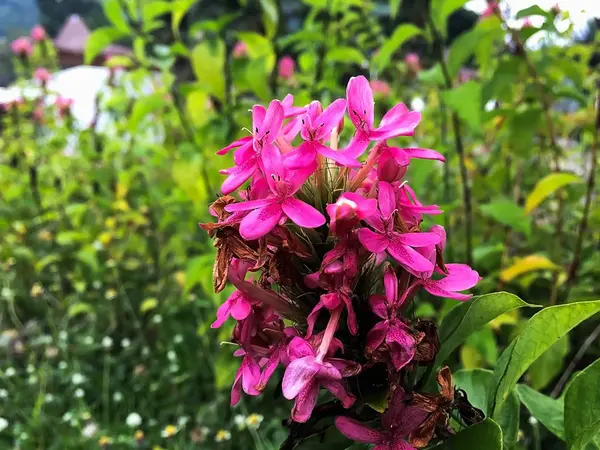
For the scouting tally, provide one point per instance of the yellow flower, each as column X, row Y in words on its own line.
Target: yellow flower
column 105, row 237
column 36, row 290
column 139, row 435
column 180, row 278
column 20, row 227
column 157, row 447
column 222, row 435
column 110, row 222
column 111, row 293
column 45, row 235
column 169, row 430
column 254, row 420
column 103, row 441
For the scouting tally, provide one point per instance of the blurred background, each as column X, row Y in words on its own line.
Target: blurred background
column 111, row 113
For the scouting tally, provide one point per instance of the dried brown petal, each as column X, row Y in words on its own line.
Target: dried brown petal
column 429, row 346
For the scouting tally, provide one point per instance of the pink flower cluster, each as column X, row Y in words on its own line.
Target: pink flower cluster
column 337, row 253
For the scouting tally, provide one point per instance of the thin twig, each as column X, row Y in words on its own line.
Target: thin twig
column 591, row 184
column 460, row 149
column 573, row 365
column 447, row 197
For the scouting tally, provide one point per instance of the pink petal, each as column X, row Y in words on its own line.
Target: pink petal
column 422, row 239
column 305, row 402
column 249, row 205
column 409, row 258
column 460, row 277
column 302, row 213
column 241, row 307
column 299, row 348
column 297, row 375
column 303, row 156
column 250, row 376
column 240, row 142
column 358, row 144
column 329, row 119
column 258, row 116
column 431, row 287
column 398, row 121
column 372, row 241
column 345, row 367
column 271, row 124
column 379, row 306
column 400, row 444
column 390, row 282
column 224, row 312
column 339, row 157
column 366, row 206
column 311, row 319
column 291, row 129
column 361, row 105
column 386, row 199
column 260, row 222
column 376, row 336
column 244, row 153
column 351, row 322
column 424, row 153
column 238, row 175
column 402, row 345
column 358, row 432
column 340, row 391
column 269, row 369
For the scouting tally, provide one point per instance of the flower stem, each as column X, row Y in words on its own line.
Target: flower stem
column 364, row 171
column 332, row 325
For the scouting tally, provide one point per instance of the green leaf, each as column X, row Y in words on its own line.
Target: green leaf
column 465, row 100
column 210, row 55
column 549, row 365
column 270, row 17
column 46, row 261
column 477, row 384
column 547, row 186
column 506, row 212
column 582, row 407
column 112, row 11
column 485, row 435
column 548, row 411
column 461, row 50
column 199, row 272
column 179, row 10
column 395, row 6
column 470, row 317
column 80, row 308
column 543, row 329
column 400, row 35
column 99, row 40
column 259, row 48
column 144, row 106
column 433, row 76
column 196, row 105
column 441, row 10
column 257, row 77
column 345, row 55
column 534, row 10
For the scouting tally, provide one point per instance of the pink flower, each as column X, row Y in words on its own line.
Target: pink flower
column 266, row 124
column 527, row 23
column 393, row 161
column 309, row 370
column 398, row 245
column 413, row 62
column 317, row 126
column 287, row 67
column 380, row 87
column 398, row 121
column 239, row 304
column 246, row 378
column 240, row 49
column 348, row 210
column 490, row 10
column 63, row 105
column 397, row 422
column 395, row 333
column 42, row 75
column 21, row 47
column 38, row 33
column 289, row 110
column 280, row 204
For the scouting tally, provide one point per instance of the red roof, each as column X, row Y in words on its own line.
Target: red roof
column 75, row 33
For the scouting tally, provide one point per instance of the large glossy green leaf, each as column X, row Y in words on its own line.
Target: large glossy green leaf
column 582, row 407
column 113, row 12
column 477, row 384
column 270, row 17
column 441, row 10
column 485, row 435
column 99, row 40
column 400, row 35
column 208, row 62
column 549, row 365
column 465, row 100
column 507, row 212
column 470, row 317
column 543, row 330
column 395, row 7
column 547, row 410
column 547, row 186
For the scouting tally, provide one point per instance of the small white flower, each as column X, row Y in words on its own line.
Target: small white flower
column 97, row 284
column 490, row 106
column 49, row 398
column 417, row 104
column 173, row 368
column 10, row 372
column 30, row 368
column 183, row 420
column 97, row 245
column 125, row 343
column 67, row 416
column 63, row 335
column 79, row 393
column 7, row 293
column 62, row 365
column 178, row 339
column 77, row 379
column 533, row 421
column 88, row 340
column 3, row 393
column 3, row 424
column 145, row 351
column 254, row 420
column 239, row 421
column 32, row 379
column 171, row 355
column 107, row 342
column 90, row 430
column 117, row 397
column 157, row 318
column 133, row 420
column 222, row 435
